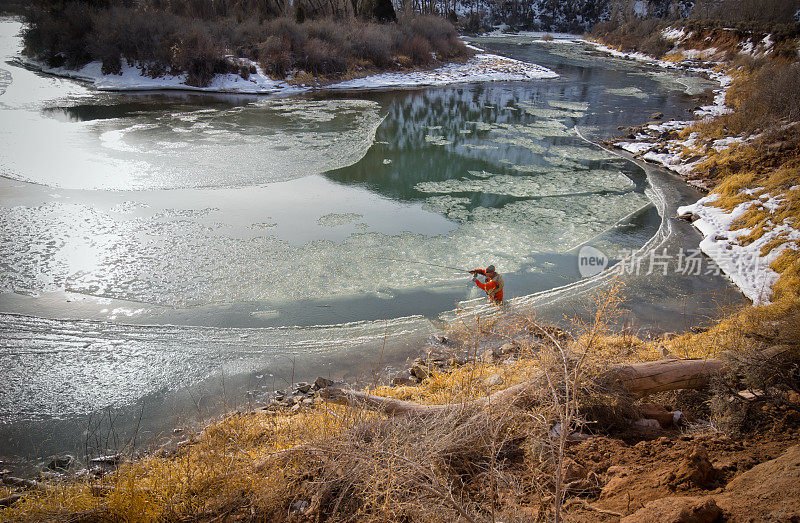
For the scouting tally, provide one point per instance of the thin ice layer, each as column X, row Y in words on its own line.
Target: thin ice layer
column 252, row 144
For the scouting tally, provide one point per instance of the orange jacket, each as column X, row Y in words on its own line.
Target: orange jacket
column 491, row 285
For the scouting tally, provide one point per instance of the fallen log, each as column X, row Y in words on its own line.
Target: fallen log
column 637, row 379
column 642, row 379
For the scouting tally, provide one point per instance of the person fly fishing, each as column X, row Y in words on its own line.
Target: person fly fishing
column 493, row 283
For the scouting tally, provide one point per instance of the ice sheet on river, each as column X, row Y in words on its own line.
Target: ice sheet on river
column 268, row 141
column 189, row 260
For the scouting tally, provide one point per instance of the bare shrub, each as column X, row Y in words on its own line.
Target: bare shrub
column 195, row 37
column 330, row 31
column 418, row 50
column 288, row 29
column 733, row 11
column 771, row 95
column 373, row 44
column 275, row 56
column 635, row 35
column 60, row 36
column 320, row 57
column 199, row 56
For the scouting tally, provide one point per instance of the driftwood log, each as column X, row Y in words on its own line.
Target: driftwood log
column 637, row 379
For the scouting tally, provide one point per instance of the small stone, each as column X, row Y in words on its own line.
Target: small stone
column 303, row 387
column 295, row 408
column 494, row 380
column 321, row 383
column 308, row 401
column 509, row 348
column 489, row 356
column 419, row 371
column 404, row 377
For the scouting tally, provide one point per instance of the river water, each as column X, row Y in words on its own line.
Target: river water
column 164, row 256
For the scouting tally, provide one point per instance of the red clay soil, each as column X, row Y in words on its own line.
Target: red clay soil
column 685, row 478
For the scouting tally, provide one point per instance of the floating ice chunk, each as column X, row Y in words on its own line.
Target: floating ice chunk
column 634, row 92
column 569, row 106
column 559, row 183
column 544, row 112
column 437, row 140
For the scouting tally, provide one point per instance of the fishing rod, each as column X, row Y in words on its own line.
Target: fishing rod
column 420, row 263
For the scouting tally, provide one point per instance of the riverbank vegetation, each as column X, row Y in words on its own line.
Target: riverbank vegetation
column 204, row 39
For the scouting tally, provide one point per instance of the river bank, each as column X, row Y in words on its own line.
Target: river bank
column 481, row 67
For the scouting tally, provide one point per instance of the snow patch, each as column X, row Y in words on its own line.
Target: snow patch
column 479, row 68
column 744, row 264
column 131, row 78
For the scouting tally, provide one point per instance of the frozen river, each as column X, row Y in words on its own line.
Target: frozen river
column 163, row 256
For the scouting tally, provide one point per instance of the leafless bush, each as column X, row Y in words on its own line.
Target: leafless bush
column 771, row 95
column 418, row 49
column 320, row 57
column 194, row 36
column 733, row 11
column 200, row 56
column 747, row 397
column 374, row 45
column 635, row 35
column 274, row 55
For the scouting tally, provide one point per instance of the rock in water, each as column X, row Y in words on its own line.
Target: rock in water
column 403, row 377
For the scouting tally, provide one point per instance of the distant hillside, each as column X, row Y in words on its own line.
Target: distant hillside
column 578, row 16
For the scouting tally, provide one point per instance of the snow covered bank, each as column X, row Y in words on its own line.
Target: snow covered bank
column 664, row 144
column 480, row 68
column 744, row 264
column 649, row 142
column 132, row 79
